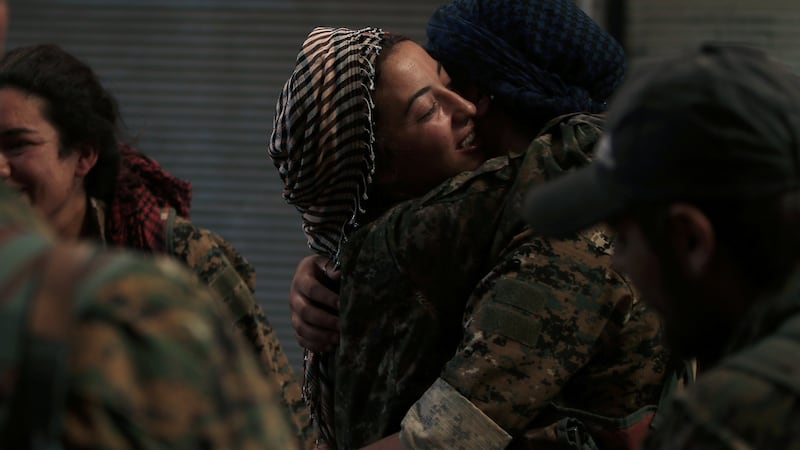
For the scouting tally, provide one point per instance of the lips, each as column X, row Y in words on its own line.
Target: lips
column 467, row 144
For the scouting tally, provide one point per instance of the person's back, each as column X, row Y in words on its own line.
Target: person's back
column 117, row 350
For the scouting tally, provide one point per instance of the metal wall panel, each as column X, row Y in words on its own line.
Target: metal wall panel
column 197, row 83
column 661, row 27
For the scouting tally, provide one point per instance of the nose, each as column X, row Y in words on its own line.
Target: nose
column 462, row 110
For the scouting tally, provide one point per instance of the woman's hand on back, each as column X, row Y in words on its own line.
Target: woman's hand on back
column 314, row 304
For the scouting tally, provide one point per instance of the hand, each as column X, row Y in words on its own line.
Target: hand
column 314, row 304
column 391, row 442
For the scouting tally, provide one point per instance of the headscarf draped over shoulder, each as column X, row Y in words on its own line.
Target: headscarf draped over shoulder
column 543, row 57
column 322, row 138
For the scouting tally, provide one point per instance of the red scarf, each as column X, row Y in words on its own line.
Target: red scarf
column 143, row 189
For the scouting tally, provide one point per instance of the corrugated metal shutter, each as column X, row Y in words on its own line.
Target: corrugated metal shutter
column 197, row 83
column 660, row 27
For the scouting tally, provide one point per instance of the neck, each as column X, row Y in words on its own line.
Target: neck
column 69, row 221
column 503, row 134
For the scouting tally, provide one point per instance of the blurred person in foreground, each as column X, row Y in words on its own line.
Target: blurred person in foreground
column 110, row 350
column 698, row 176
column 62, row 146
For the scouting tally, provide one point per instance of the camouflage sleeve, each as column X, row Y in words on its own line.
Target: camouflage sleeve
column 428, row 237
column 531, row 324
column 729, row 409
column 443, row 418
column 155, row 365
column 228, row 273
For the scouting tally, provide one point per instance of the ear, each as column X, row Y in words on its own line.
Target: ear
column 87, row 158
column 692, row 239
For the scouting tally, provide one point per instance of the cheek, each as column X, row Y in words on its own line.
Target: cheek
column 642, row 269
column 24, row 170
column 47, row 179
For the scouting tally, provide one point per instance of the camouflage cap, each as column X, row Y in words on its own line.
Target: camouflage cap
column 721, row 121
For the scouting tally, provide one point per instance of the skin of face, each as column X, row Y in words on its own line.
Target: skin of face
column 3, row 24
column 426, row 128
column 634, row 257
column 30, row 162
column 695, row 326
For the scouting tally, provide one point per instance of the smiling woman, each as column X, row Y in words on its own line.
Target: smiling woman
column 60, row 147
column 32, row 162
column 458, row 326
column 366, row 119
column 424, row 130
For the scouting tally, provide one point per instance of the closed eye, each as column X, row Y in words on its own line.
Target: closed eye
column 15, row 147
column 430, row 112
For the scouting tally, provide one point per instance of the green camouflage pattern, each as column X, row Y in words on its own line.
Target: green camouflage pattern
column 232, row 277
column 751, row 399
column 152, row 360
column 455, row 286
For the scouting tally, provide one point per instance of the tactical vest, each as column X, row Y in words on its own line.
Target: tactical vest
column 43, row 287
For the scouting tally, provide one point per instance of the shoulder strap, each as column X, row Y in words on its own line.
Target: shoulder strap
column 772, row 358
column 169, row 228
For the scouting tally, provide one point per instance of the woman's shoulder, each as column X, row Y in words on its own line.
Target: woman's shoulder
column 206, row 252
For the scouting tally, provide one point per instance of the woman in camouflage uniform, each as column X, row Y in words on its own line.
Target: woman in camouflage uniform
column 457, row 320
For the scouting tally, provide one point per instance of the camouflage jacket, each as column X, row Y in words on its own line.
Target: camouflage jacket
column 751, row 399
column 221, row 267
column 120, row 351
column 462, row 323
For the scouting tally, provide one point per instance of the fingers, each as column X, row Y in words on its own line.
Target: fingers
column 327, row 267
column 316, row 280
column 314, row 304
column 313, row 338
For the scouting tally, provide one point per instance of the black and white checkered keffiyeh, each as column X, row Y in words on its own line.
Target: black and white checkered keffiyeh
column 322, row 139
column 322, row 144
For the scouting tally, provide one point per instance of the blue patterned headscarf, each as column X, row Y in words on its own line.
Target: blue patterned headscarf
column 541, row 57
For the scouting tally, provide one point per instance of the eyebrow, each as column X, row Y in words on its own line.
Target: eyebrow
column 416, row 95
column 423, row 90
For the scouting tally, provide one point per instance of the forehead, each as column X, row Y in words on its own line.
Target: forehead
column 407, row 66
column 407, row 73
column 20, row 108
column 408, row 53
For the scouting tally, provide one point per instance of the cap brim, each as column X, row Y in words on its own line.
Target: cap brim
column 573, row 202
